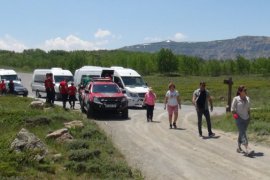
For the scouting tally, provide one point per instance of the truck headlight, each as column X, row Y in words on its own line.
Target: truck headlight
column 96, row 100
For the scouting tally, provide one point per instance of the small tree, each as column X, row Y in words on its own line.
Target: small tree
column 167, row 61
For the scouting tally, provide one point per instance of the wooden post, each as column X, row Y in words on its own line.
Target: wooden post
column 230, row 83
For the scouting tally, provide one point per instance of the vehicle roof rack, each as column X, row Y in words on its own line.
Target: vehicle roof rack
column 101, row 79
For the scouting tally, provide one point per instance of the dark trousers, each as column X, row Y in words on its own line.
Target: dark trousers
column 50, row 96
column 242, row 126
column 64, row 99
column 72, row 99
column 149, row 112
column 206, row 114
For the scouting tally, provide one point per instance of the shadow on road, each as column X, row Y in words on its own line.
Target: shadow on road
column 207, row 137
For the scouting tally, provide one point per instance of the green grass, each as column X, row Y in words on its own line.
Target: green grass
column 90, row 156
column 258, row 87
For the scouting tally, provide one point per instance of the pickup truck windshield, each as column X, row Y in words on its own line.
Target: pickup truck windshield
column 105, row 88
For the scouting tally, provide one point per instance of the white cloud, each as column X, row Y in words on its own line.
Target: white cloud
column 11, row 44
column 179, row 37
column 72, row 42
column 102, row 33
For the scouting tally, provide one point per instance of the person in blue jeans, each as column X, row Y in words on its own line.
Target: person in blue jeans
column 200, row 99
column 241, row 112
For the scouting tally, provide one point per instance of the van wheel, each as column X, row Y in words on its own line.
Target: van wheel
column 37, row 94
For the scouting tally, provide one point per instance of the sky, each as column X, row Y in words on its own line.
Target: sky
column 111, row 24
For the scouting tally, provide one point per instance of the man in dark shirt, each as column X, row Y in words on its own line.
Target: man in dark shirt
column 200, row 99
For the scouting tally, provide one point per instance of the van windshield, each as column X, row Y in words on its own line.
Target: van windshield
column 58, row 79
column 10, row 77
column 133, row 81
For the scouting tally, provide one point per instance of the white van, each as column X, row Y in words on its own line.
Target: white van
column 86, row 71
column 133, row 84
column 39, row 76
column 9, row 74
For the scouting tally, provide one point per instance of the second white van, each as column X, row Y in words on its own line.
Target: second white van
column 39, row 76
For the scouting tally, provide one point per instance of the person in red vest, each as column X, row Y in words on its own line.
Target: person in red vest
column 63, row 89
column 3, row 88
column 72, row 90
column 49, row 86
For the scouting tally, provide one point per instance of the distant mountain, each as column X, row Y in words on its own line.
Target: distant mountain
column 249, row 47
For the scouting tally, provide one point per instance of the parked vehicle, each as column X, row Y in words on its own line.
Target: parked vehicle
column 39, row 76
column 83, row 76
column 133, row 83
column 9, row 74
column 103, row 95
column 19, row 89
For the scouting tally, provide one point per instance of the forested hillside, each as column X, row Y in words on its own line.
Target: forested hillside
column 164, row 62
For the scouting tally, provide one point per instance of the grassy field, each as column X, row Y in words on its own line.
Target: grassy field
column 258, row 90
column 76, row 161
column 257, row 85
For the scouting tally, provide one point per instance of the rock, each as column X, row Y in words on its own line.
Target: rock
column 57, row 133
column 37, row 104
column 74, row 124
column 66, row 137
column 28, row 141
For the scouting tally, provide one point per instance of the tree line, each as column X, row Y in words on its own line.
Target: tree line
column 164, row 62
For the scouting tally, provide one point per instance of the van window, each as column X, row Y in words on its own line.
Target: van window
column 10, row 77
column 133, row 81
column 39, row 78
column 58, row 79
column 118, row 81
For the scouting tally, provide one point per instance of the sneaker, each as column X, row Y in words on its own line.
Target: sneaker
column 212, row 135
column 239, row 150
column 174, row 125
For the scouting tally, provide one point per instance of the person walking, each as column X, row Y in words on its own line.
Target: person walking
column 63, row 89
column 172, row 102
column 149, row 100
column 72, row 90
column 201, row 98
column 240, row 109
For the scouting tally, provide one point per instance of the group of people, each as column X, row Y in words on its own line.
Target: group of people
column 67, row 92
column 3, row 88
column 201, row 99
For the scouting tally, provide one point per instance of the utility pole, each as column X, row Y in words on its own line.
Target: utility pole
column 230, row 83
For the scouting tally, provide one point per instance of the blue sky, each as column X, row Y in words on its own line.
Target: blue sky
column 111, row 24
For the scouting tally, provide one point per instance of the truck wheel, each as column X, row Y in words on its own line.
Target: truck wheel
column 125, row 113
column 90, row 112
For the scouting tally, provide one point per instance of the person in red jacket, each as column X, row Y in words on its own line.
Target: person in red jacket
column 63, row 89
column 72, row 90
column 3, row 88
column 49, row 86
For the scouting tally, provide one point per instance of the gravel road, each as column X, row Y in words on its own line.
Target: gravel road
column 163, row 153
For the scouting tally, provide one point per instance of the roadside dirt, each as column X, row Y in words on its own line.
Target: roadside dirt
column 163, row 153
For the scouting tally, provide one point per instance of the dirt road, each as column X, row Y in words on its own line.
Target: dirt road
column 163, row 153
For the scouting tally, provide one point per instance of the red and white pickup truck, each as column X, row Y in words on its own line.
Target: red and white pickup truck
column 103, row 95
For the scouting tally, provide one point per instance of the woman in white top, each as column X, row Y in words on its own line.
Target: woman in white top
column 241, row 112
column 172, row 102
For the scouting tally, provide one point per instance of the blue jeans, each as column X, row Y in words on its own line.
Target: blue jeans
column 206, row 114
column 242, row 128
